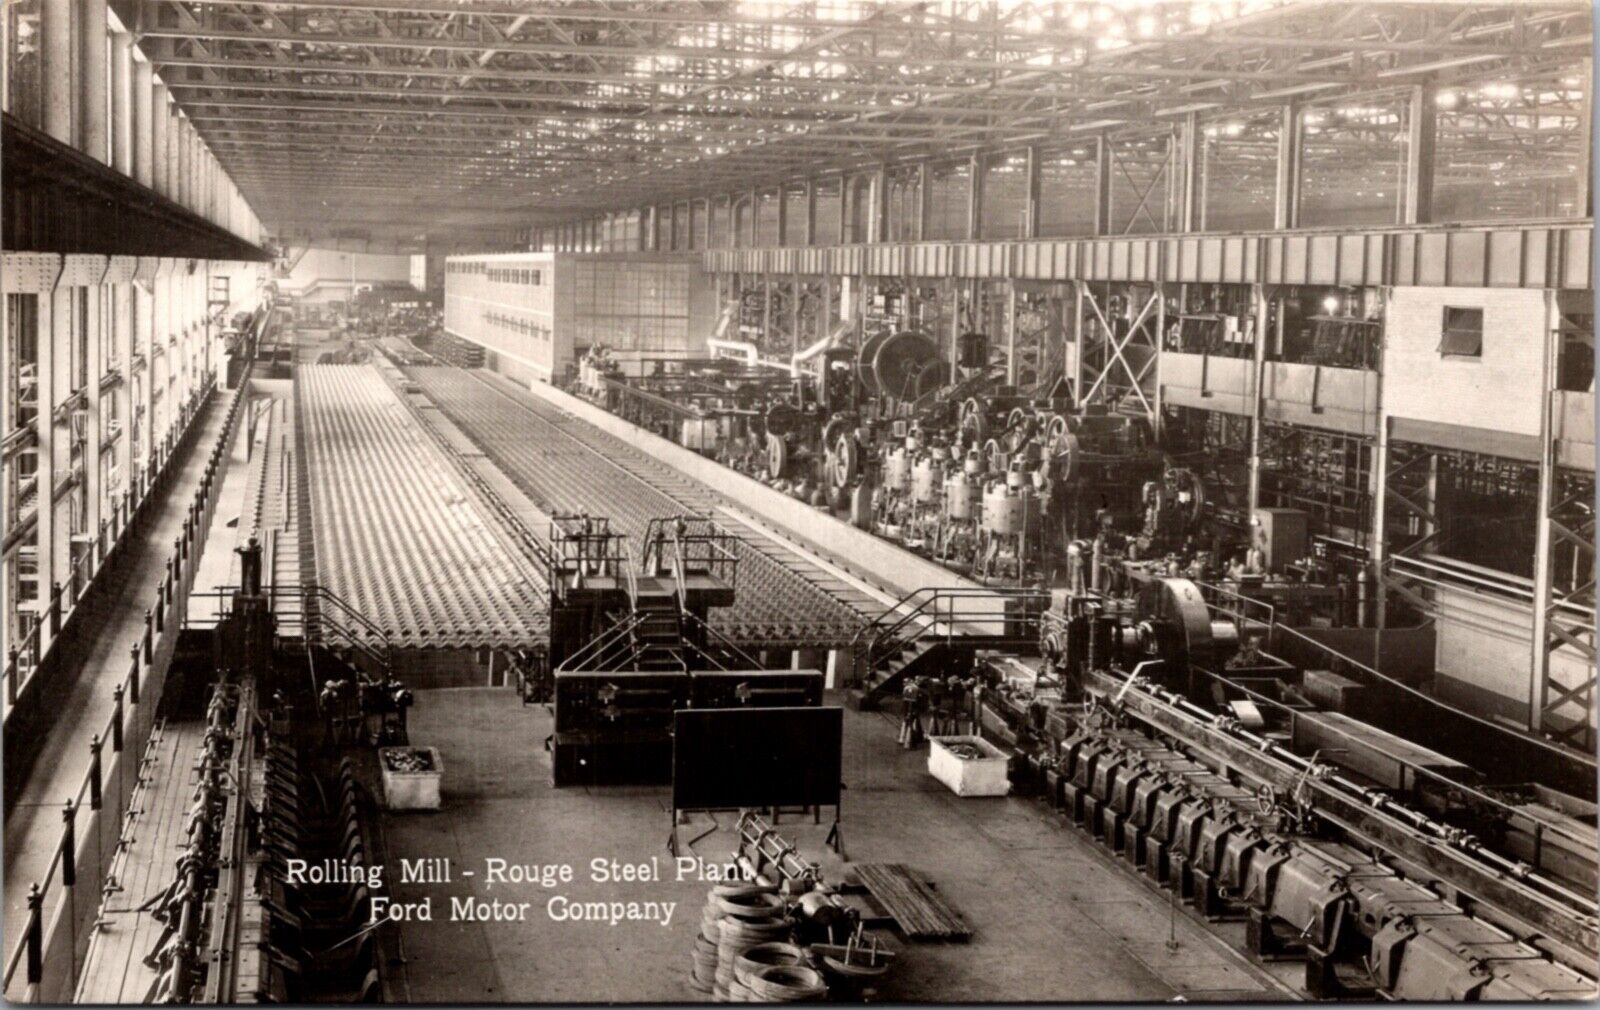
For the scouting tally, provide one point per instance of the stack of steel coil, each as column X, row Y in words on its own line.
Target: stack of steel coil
column 751, row 983
column 738, row 917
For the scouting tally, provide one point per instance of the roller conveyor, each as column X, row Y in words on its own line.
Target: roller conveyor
column 564, row 465
column 397, row 534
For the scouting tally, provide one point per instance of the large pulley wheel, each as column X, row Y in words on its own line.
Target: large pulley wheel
column 1056, row 428
column 1066, row 451
column 897, row 361
column 777, row 456
column 931, row 378
column 846, row 461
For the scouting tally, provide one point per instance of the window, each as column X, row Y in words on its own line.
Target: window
column 1463, row 333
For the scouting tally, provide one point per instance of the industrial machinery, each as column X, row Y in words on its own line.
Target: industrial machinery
column 1257, row 773
column 630, row 644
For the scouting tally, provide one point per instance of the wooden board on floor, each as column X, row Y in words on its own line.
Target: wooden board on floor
column 918, row 910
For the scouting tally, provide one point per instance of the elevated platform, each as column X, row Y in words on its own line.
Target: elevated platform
column 114, row 970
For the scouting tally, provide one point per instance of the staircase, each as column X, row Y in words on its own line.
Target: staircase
column 940, row 631
column 657, row 633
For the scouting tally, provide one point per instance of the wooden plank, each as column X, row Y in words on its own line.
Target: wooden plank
column 920, row 912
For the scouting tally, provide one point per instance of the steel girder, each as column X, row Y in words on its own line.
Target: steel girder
column 556, row 111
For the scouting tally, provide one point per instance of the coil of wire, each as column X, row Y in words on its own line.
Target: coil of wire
column 748, row 918
column 762, row 955
column 753, row 899
column 784, row 983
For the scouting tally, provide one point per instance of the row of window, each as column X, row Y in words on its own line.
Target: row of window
column 518, row 324
column 526, row 276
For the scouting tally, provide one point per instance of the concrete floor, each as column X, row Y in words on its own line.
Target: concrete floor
column 1055, row 918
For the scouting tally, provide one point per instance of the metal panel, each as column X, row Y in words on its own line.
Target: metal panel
column 1433, row 259
column 1352, row 260
column 28, row 273
column 1505, row 258
column 1402, row 259
column 1322, row 260
column 1296, row 259
column 1199, row 260
column 1575, row 258
column 1120, row 254
column 1469, row 252
column 1065, row 260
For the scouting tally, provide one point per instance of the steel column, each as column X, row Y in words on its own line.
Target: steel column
column 92, row 35
column 143, row 102
column 1286, row 192
column 1030, row 206
column 57, row 39
column 1102, row 185
column 1422, row 135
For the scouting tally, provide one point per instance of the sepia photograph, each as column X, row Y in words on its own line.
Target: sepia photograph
column 539, row 502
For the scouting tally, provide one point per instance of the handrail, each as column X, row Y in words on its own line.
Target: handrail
column 383, row 656
column 181, row 567
column 722, row 642
column 913, row 620
column 598, row 645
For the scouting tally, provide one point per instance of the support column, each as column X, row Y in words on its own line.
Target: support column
column 45, row 470
column 878, row 221
column 1422, row 136
column 924, row 204
column 143, row 122
column 125, row 323
column 1102, row 185
column 811, row 212
column 844, row 210
column 59, row 90
column 98, row 340
column 93, row 135
column 1585, row 135
column 1538, row 683
column 122, row 103
column 783, row 216
column 1262, row 296
column 1011, row 333
column 161, row 140
column 1031, row 190
column 1286, row 194
column 1193, row 155
column 755, row 217
column 975, row 170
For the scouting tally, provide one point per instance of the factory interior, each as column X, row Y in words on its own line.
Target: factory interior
column 688, row 501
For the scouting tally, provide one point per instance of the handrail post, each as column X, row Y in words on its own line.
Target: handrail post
column 95, row 768
column 35, row 935
column 149, row 635
column 118, row 714
column 55, row 609
column 13, row 660
column 69, row 848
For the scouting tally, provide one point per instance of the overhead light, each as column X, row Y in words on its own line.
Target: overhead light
column 1330, row 305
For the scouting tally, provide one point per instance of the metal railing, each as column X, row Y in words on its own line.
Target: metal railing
column 337, row 624
column 949, row 613
column 51, row 934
